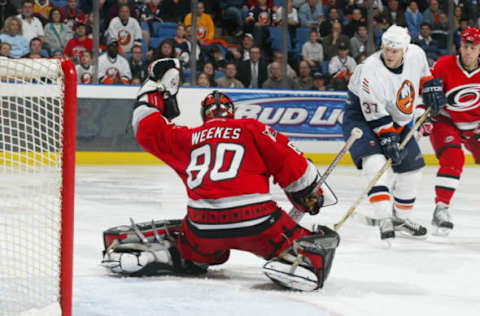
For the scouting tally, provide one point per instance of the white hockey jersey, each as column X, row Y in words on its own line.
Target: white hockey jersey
column 126, row 34
column 387, row 99
column 112, row 70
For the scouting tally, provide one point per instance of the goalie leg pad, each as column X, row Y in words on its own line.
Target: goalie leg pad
column 306, row 265
column 146, row 249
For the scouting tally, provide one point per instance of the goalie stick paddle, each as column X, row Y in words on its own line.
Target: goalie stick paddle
column 355, row 134
column 374, row 180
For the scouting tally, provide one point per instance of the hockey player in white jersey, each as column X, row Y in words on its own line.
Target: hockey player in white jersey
column 383, row 95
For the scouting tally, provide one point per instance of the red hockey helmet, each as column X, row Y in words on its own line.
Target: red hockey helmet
column 471, row 34
column 217, row 104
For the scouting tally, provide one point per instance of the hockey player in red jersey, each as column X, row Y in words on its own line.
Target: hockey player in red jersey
column 225, row 165
column 458, row 123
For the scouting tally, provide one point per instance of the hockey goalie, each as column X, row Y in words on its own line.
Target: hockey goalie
column 225, row 164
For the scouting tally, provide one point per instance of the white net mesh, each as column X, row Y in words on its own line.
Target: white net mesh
column 31, row 123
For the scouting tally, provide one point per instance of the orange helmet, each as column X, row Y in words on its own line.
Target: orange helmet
column 217, row 104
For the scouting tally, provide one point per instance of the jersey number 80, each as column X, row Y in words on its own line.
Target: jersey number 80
column 201, row 158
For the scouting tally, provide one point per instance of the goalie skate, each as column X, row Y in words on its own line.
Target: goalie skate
column 442, row 221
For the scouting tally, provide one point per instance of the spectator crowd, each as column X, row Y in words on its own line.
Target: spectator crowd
column 238, row 42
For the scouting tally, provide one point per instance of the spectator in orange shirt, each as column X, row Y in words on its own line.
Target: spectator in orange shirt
column 205, row 26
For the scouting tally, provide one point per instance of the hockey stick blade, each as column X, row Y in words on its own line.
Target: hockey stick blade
column 355, row 134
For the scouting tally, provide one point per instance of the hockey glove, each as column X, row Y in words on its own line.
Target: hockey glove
column 433, row 96
column 390, row 147
column 309, row 200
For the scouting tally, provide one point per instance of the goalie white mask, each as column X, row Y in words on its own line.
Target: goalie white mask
column 396, row 37
column 166, row 73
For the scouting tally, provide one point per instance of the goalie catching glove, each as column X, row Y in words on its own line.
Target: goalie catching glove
column 161, row 87
column 310, row 198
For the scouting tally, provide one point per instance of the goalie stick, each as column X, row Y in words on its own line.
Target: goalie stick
column 374, row 180
column 355, row 134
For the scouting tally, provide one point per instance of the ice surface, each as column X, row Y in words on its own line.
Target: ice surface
column 437, row 276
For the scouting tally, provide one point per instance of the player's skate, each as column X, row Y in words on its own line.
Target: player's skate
column 442, row 221
column 408, row 228
column 387, row 232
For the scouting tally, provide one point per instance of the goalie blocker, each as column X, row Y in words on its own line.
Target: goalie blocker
column 149, row 249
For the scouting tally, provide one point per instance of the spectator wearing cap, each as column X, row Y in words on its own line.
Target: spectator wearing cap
column 35, row 48
column 12, row 34
column 276, row 80
column 238, row 55
column 42, row 9
column 414, row 19
column 341, row 67
column 5, row 49
column 85, row 68
column 311, row 13
column 358, row 42
column 304, row 80
column 332, row 41
column 71, row 14
column 112, row 67
column 205, row 26
column 79, row 43
column 125, row 29
column 31, row 25
column 56, row 32
column 6, row 9
column 319, row 82
column 312, row 51
column 229, row 80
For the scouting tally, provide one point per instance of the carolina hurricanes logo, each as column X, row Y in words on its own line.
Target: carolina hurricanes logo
column 406, row 97
column 124, row 37
column 463, row 98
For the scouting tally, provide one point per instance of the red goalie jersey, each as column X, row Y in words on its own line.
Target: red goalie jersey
column 462, row 89
column 225, row 165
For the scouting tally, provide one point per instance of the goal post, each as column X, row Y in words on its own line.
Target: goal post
column 37, row 172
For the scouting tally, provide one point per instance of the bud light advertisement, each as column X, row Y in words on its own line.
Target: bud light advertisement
column 316, row 116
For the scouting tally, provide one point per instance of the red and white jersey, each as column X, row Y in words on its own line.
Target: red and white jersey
column 224, row 163
column 462, row 89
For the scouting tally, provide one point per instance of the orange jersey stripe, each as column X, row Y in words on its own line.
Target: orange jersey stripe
column 404, row 207
column 422, row 81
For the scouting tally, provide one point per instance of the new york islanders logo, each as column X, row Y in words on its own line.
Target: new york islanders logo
column 464, row 98
column 124, row 37
column 406, row 97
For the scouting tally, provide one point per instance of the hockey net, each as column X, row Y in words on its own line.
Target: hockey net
column 37, row 148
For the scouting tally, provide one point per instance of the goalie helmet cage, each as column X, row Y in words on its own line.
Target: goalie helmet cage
column 37, row 161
